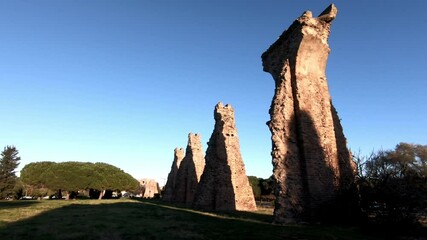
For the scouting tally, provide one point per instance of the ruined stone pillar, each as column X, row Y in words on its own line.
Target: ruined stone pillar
column 312, row 165
column 170, row 184
column 189, row 172
column 224, row 185
column 150, row 187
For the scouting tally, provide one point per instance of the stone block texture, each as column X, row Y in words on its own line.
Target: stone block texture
column 313, row 168
column 190, row 171
column 150, row 187
column 170, row 184
column 224, row 185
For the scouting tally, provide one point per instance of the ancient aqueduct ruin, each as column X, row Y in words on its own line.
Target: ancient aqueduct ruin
column 313, row 167
column 221, row 183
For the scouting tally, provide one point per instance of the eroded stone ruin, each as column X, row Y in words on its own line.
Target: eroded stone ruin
column 171, row 182
column 189, row 172
column 312, row 165
column 224, row 185
column 149, row 187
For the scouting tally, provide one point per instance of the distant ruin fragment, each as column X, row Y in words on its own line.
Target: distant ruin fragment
column 149, row 187
column 312, row 165
column 171, row 182
column 189, row 172
column 224, row 185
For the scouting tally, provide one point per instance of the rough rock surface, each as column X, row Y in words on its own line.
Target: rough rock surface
column 170, row 184
column 224, row 185
column 150, row 187
column 189, row 172
column 312, row 165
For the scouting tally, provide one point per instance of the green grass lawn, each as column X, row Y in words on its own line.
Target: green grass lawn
column 133, row 219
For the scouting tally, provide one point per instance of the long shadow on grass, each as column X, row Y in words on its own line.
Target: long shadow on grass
column 16, row 204
column 116, row 219
column 237, row 215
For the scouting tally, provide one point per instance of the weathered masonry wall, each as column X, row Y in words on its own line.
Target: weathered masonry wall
column 224, row 185
column 171, row 182
column 312, row 165
column 189, row 172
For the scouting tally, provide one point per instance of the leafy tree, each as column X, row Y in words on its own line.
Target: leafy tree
column 393, row 183
column 8, row 163
column 255, row 184
column 74, row 176
column 36, row 178
column 109, row 177
column 18, row 189
column 68, row 177
column 267, row 185
column 263, row 189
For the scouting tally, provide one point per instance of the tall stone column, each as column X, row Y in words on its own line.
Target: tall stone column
column 312, row 165
column 170, row 184
column 224, row 185
column 190, row 171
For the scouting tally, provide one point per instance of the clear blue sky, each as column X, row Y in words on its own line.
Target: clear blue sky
column 124, row 82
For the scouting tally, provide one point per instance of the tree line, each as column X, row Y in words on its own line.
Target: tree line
column 41, row 179
column 70, row 177
column 393, row 185
column 263, row 189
